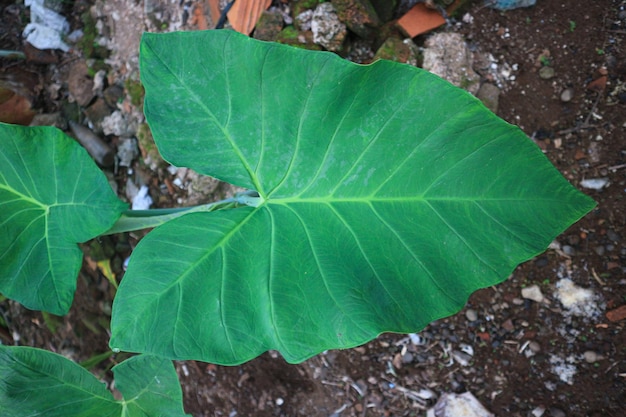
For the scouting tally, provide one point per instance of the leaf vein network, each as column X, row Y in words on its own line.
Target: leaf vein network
column 294, row 154
column 333, row 138
column 381, row 282
column 322, row 274
column 414, row 255
column 461, row 238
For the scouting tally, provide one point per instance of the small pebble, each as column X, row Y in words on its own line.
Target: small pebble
column 546, row 73
column 532, row 293
column 557, row 412
column 508, row 325
column 471, row 315
column 534, row 346
column 612, row 235
column 590, row 356
column 567, row 95
column 599, row 250
column 461, row 358
column 568, row 250
column 518, row 301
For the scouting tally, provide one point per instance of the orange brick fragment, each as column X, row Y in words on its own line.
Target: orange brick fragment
column 244, row 14
column 421, row 19
column 599, row 84
column 617, row 314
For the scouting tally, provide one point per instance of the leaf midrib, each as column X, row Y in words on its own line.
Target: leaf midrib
column 409, row 199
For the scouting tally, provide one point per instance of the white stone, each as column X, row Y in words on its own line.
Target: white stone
column 327, row 30
column 532, row 293
column 460, row 405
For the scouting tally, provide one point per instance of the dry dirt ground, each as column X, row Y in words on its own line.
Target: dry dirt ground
column 551, row 356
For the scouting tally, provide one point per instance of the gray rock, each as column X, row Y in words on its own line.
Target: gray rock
column 385, row 8
column 80, row 84
column 407, row 358
column 96, row 113
column 557, row 412
column 612, row 235
column 358, row 15
column 448, row 56
column 50, row 119
column 269, row 26
column 568, row 250
column 113, row 94
column 399, row 50
column 590, row 356
column 567, row 95
column 546, row 73
column 327, row 30
column 303, row 20
column 127, row 151
column 119, row 124
column 489, row 94
column 471, row 315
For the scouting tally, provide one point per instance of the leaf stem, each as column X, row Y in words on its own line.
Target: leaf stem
column 12, row 54
column 132, row 220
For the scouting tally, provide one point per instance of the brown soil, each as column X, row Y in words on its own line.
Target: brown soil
column 512, row 345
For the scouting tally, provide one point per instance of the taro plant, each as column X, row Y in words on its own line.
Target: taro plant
column 379, row 197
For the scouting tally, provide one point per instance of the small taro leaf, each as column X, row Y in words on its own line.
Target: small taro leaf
column 52, row 196
column 35, row 382
column 150, row 387
column 388, row 196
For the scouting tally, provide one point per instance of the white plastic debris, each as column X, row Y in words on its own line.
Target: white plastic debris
column 142, row 200
column 42, row 37
column 509, row 4
column 563, row 368
column 577, row 300
column 416, row 339
column 595, row 183
column 47, row 27
column 538, row 411
column 458, row 405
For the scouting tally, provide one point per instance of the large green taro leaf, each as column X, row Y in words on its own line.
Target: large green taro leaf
column 36, row 382
column 52, row 196
column 386, row 197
